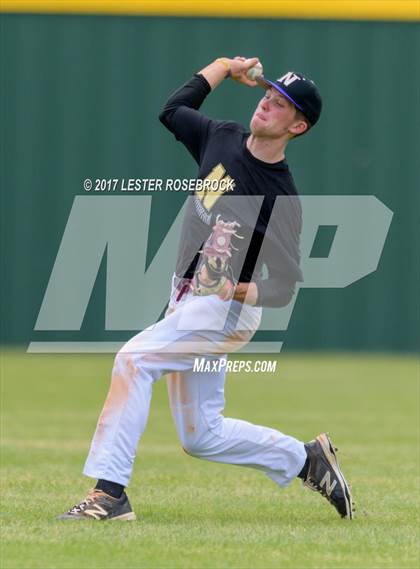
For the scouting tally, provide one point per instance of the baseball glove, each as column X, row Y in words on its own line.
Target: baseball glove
column 214, row 273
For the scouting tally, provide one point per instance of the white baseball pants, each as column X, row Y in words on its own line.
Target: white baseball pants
column 194, row 327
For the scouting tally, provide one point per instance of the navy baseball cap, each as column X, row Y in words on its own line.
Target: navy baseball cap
column 300, row 90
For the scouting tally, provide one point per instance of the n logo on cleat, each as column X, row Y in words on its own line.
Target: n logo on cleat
column 326, row 481
column 97, row 512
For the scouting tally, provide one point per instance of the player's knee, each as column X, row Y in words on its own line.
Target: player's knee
column 197, row 447
column 191, row 440
column 192, row 450
column 200, row 436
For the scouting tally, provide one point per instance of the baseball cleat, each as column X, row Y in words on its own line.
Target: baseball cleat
column 100, row 506
column 324, row 476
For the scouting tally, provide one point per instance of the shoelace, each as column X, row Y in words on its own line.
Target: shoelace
column 316, row 488
column 81, row 507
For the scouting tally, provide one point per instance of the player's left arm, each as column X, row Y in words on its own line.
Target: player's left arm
column 247, row 293
column 280, row 253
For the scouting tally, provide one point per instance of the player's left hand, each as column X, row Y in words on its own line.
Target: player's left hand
column 214, row 274
column 203, row 285
column 226, row 291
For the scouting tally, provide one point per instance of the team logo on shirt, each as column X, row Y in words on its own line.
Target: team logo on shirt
column 214, row 186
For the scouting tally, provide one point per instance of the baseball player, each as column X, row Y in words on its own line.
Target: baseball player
column 233, row 227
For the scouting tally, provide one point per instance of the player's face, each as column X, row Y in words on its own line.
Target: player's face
column 274, row 116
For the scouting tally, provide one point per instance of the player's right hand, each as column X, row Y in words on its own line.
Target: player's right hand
column 239, row 66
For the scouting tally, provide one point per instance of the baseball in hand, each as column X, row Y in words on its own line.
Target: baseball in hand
column 255, row 71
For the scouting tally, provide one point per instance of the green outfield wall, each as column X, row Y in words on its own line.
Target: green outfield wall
column 80, row 97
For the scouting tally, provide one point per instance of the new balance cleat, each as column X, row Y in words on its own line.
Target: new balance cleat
column 100, row 506
column 324, row 475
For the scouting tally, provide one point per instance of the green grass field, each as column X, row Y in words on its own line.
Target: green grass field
column 196, row 514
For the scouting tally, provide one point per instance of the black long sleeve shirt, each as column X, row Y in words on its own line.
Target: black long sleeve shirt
column 219, row 148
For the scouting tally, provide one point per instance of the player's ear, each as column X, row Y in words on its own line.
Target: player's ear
column 298, row 127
